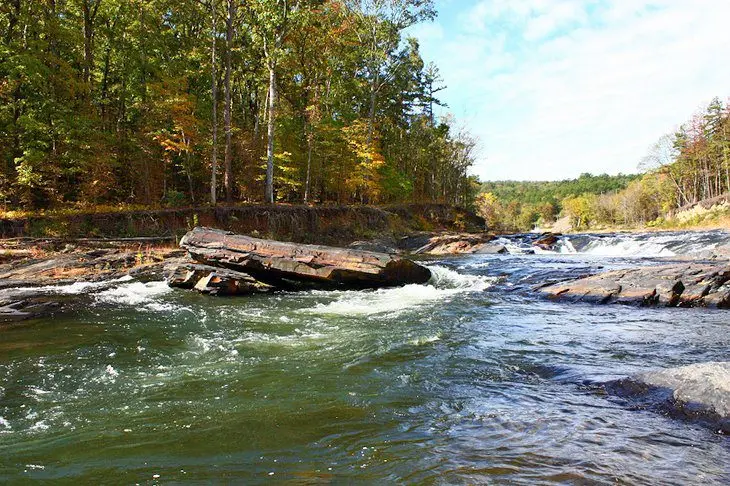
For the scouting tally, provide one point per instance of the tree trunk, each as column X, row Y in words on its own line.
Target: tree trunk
column 269, row 191
column 189, row 170
column 371, row 114
column 310, row 142
column 228, row 178
column 88, row 37
column 214, row 91
column 105, row 73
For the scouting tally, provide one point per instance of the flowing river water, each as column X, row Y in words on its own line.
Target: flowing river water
column 469, row 379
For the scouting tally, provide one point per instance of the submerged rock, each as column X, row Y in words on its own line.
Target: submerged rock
column 684, row 285
column 698, row 392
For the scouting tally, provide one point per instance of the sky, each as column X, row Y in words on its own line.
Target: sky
column 555, row 88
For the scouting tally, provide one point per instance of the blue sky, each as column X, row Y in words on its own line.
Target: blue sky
column 554, row 88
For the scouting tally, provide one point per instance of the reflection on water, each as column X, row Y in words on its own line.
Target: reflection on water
column 469, row 379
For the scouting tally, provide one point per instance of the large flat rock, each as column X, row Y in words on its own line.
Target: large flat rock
column 274, row 261
column 684, row 285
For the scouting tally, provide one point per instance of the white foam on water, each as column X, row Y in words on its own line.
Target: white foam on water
column 563, row 247
column 641, row 245
column 34, row 390
column 134, row 294
column 76, row 287
column 4, row 423
column 512, row 247
column 422, row 341
column 443, row 284
column 111, row 371
column 627, row 248
column 40, row 425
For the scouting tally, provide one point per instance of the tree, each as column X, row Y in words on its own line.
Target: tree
column 271, row 21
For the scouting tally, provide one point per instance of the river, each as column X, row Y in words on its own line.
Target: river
column 469, row 379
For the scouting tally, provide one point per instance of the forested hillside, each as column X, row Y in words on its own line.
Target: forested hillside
column 162, row 102
column 683, row 168
column 519, row 205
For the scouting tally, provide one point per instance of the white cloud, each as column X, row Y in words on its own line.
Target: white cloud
column 556, row 88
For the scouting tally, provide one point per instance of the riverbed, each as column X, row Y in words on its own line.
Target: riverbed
column 472, row 378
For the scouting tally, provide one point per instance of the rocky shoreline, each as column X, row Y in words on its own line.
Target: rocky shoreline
column 29, row 265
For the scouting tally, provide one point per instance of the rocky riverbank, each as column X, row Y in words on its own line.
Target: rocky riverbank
column 29, row 266
column 682, row 285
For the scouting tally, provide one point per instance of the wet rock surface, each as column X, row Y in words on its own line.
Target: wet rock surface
column 214, row 281
column 699, row 392
column 683, row 285
column 276, row 262
column 24, row 280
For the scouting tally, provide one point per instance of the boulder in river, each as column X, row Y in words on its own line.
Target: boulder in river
column 213, row 281
column 276, row 262
column 459, row 243
column 698, row 392
column 547, row 241
column 684, row 285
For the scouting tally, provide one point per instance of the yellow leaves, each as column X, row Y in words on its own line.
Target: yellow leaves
column 489, row 207
column 364, row 179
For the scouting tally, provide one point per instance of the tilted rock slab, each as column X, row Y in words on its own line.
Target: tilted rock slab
column 683, row 285
column 273, row 262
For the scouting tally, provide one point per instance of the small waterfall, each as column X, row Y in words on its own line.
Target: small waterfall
column 628, row 245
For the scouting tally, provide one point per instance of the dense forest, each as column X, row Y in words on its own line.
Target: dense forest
column 681, row 169
column 161, row 102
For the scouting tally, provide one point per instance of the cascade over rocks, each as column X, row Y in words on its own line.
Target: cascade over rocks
column 234, row 264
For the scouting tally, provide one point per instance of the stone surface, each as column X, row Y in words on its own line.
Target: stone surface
column 684, row 285
column 275, row 262
column 699, row 391
column 491, row 249
column 456, row 243
column 379, row 245
column 214, row 281
column 547, row 241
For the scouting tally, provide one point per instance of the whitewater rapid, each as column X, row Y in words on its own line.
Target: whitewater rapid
column 444, row 283
column 623, row 245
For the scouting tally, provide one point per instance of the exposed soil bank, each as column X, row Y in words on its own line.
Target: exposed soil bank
column 302, row 224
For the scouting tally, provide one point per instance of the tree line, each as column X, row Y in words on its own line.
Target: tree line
column 685, row 167
column 192, row 101
column 520, row 205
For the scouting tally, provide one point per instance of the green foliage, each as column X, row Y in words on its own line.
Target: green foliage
column 520, row 205
column 553, row 192
column 106, row 102
column 175, row 199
